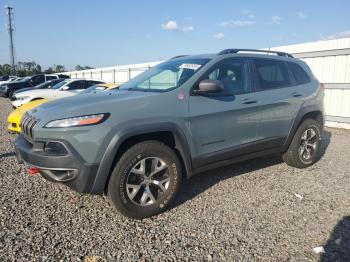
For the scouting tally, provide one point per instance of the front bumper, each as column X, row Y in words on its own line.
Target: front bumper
column 13, row 127
column 18, row 103
column 14, row 123
column 69, row 169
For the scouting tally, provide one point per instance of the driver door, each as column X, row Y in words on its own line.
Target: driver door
column 224, row 123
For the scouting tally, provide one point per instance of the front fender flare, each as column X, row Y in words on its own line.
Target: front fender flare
column 108, row 159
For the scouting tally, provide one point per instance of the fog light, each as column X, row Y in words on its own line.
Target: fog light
column 55, row 148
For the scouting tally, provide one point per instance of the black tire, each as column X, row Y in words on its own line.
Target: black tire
column 118, row 190
column 11, row 94
column 293, row 155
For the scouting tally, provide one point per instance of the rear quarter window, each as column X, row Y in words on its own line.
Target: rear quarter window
column 299, row 74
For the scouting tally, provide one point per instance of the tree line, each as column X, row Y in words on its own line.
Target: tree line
column 32, row 68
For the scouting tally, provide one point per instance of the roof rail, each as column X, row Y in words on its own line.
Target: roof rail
column 236, row 50
column 178, row 56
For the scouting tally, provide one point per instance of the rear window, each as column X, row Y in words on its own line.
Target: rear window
column 271, row 74
column 300, row 76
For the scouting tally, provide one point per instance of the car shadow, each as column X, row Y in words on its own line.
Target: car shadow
column 337, row 247
column 8, row 154
column 326, row 140
column 203, row 181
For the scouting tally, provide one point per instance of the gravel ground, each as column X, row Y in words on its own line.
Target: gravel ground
column 260, row 210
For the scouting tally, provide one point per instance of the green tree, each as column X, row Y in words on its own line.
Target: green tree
column 49, row 71
column 6, row 69
column 78, row 67
column 59, row 68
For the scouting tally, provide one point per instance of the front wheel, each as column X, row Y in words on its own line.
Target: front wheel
column 145, row 180
column 304, row 149
column 11, row 94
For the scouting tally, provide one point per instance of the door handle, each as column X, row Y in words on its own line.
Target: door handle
column 296, row 94
column 249, row 101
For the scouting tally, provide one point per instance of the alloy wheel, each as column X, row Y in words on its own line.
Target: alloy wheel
column 147, row 181
column 308, row 144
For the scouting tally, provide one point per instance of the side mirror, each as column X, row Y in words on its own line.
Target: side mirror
column 65, row 88
column 209, row 86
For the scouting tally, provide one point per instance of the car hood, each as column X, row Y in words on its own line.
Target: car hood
column 102, row 102
column 37, row 92
column 23, row 90
column 19, row 84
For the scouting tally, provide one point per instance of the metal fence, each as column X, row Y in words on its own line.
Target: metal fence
column 329, row 61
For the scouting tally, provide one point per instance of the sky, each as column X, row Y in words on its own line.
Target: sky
column 107, row 33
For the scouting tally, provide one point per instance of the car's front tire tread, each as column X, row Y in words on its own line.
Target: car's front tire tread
column 116, row 192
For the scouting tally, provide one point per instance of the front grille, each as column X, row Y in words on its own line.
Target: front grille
column 27, row 124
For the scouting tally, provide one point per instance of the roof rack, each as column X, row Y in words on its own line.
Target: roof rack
column 235, row 51
column 178, row 56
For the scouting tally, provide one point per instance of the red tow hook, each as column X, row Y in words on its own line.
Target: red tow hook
column 33, row 171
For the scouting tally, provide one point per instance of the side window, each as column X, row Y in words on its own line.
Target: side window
column 234, row 74
column 77, row 85
column 300, row 76
column 271, row 74
column 50, row 78
column 38, row 79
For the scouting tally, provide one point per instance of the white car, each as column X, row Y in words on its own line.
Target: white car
column 68, row 87
column 7, row 79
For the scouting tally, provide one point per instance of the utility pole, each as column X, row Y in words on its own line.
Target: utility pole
column 10, row 30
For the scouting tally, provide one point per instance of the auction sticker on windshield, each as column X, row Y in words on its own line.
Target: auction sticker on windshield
column 190, row 66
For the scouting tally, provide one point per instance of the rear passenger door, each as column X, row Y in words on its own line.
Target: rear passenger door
column 279, row 100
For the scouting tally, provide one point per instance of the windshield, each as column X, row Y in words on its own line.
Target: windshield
column 42, row 85
column 60, row 84
column 165, row 76
column 24, row 79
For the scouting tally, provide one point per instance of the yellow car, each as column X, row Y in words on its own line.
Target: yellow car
column 100, row 87
column 14, row 119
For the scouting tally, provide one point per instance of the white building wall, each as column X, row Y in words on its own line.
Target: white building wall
column 329, row 60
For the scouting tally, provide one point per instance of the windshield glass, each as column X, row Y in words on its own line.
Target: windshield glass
column 60, row 84
column 165, row 76
column 24, row 79
column 42, row 85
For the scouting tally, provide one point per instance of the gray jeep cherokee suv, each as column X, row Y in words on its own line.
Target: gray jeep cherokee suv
column 179, row 118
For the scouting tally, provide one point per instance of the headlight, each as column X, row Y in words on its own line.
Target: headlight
column 78, row 121
column 21, row 98
column 4, row 88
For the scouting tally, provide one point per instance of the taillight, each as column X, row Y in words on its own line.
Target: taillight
column 322, row 86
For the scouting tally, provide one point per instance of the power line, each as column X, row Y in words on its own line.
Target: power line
column 10, row 29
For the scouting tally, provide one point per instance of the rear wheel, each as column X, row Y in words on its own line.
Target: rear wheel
column 145, row 180
column 304, row 149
